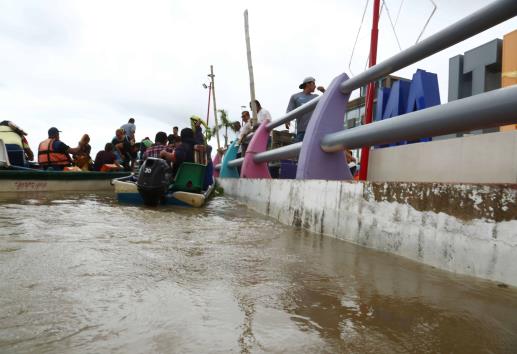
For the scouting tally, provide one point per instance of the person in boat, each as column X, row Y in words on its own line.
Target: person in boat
column 184, row 152
column 82, row 158
column 308, row 86
column 105, row 160
column 171, row 141
column 123, row 148
column 10, row 133
column 53, row 153
column 160, row 144
column 130, row 129
column 144, row 145
column 175, row 132
column 202, row 151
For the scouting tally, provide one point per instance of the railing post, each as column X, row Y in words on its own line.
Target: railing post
column 328, row 117
column 231, row 154
column 258, row 144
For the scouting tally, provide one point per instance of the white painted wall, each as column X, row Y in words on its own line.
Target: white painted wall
column 485, row 158
column 477, row 247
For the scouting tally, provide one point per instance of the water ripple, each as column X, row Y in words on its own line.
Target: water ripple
column 81, row 274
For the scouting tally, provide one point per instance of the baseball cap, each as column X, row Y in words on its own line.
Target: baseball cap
column 53, row 131
column 306, row 81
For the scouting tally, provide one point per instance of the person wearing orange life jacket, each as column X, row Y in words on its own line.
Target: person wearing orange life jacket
column 53, row 153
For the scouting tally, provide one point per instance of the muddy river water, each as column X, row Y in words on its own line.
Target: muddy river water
column 82, row 274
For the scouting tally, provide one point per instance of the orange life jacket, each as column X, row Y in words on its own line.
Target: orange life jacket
column 47, row 155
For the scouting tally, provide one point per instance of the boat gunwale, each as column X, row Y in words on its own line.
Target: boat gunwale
column 59, row 175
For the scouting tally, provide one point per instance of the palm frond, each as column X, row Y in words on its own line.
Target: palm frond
column 224, row 117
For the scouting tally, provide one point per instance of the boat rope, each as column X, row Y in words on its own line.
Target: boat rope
column 357, row 38
column 428, row 20
column 398, row 12
column 392, row 26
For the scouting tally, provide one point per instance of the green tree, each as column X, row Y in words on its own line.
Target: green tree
column 224, row 123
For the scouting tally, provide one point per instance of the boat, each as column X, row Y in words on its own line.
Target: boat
column 31, row 180
column 152, row 186
column 15, row 178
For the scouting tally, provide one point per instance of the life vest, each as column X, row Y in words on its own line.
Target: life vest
column 47, row 155
column 108, row 167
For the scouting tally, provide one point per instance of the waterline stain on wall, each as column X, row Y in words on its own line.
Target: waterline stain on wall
column 463, row 228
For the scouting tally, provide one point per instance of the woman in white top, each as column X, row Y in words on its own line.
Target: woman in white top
column 262, row 113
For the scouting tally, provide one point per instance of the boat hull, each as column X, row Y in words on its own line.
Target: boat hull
column 127, row 193
column 56, row 181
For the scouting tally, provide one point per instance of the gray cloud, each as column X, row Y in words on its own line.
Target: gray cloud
column 37, row 23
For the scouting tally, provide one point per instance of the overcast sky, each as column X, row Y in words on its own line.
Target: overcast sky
column 86, row 66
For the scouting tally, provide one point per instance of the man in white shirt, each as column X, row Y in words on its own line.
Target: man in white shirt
column 246, row 127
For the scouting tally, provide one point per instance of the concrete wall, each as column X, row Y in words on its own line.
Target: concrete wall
column 486, row 158
column 466, row 229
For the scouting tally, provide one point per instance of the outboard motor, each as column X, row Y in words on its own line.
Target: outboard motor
column 153, row 179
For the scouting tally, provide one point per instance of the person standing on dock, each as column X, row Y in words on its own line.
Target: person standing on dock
column 242, row 141
column 262, row 113
column 246, row 126
column 308, row 86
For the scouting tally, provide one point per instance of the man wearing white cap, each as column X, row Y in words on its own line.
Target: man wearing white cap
column 298, row 99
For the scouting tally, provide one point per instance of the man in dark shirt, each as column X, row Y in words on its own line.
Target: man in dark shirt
column 307, row 86
column 184, row 152
column 104, row 157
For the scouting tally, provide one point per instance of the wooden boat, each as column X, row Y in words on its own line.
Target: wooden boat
column 185, row 191
column 127, row 193
column 22, row 179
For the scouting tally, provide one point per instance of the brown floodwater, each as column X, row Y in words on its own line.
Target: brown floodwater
column 82, row 274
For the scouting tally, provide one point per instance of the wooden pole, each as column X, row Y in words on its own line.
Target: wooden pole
column 250, row 69
column 211, row 76
column 208, row 110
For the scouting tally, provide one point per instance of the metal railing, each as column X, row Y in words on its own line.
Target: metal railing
column 486, row 110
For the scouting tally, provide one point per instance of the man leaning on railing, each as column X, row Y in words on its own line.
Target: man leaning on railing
column 308, row 86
